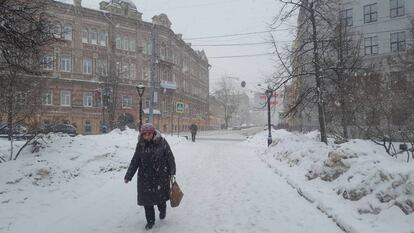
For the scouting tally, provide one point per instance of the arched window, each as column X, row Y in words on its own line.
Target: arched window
column 118, row 41
column 57, row 30
column 163, row 51
column 85, row 35
column 93, row 36
column 67, row 32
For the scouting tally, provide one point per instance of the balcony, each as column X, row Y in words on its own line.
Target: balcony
column 171, row 85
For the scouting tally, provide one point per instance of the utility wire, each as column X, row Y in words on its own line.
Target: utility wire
column 241, row 44
column 246, row 55
column 237, row 34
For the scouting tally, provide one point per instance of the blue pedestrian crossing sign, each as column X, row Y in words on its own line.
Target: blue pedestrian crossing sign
column 179, row 107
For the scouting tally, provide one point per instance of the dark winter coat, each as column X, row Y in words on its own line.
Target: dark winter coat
column 155, row 163
column 193, row 128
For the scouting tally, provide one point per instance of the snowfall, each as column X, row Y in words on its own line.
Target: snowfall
column 232, row 182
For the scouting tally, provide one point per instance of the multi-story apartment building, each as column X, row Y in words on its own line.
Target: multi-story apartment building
column 106, row 53
column 385, row 25
column 385, row 30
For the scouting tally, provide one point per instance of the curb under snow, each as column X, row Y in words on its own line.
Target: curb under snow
column 323, row 209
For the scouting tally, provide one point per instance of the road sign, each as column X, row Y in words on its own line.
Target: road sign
column 179, row 107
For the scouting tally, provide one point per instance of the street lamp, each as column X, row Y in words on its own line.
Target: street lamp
column 269, row 93
column 140, row 90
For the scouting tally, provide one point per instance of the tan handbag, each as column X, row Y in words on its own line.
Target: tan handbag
column 176, row 195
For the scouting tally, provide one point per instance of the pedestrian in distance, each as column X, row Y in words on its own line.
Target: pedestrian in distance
column 155, row 163
column 193, row 130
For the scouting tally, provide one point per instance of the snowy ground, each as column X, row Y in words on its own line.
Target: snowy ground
column 230, row 185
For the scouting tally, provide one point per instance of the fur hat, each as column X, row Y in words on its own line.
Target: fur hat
column 147, row 128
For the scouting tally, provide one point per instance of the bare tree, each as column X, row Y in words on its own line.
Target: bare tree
column 111, row 80
column 342, row 61
column 304, row 61
column 25, row 29
column 227, row 96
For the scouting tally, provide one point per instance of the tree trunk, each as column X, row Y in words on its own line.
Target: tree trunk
column 10, row 113
column 319, row 84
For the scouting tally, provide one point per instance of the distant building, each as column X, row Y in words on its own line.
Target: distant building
column 242, row 114
column 259, row 108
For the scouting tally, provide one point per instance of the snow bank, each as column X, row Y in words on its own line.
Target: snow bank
column 63, row 168
column 356, row 183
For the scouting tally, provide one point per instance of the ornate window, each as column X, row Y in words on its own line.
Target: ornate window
column 57, row 30
column 67, row 32
column 118, row 41
column 85, row 35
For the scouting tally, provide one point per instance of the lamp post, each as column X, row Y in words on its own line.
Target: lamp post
column 140, row 90
column 269, row 93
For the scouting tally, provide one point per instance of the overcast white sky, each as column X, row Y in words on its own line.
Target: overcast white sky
column 202, row 18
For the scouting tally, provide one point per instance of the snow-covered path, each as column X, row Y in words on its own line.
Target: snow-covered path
column 227, row 189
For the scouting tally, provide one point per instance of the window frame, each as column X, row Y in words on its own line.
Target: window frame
column 398, row 43
column 398, row 10
column 125, row 43
column 65, row 63
column 49, row 97
column 85, row 35
column 65, row 100
column 57, row 29
column 88, row 126
column 93, row 36
column 47, row 62
column 132, row 71
column 87, row 99
column 118, row 42
column 101, row 67
column 372, row 46
column 345, row 18
column 67, row 31
column 103, row 38
column 127, row 101
column 87, row 65
column 125, row 70
column 369, row 16
column 132, row 45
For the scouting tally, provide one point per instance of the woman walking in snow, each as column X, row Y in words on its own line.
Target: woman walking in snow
column 156, row 166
